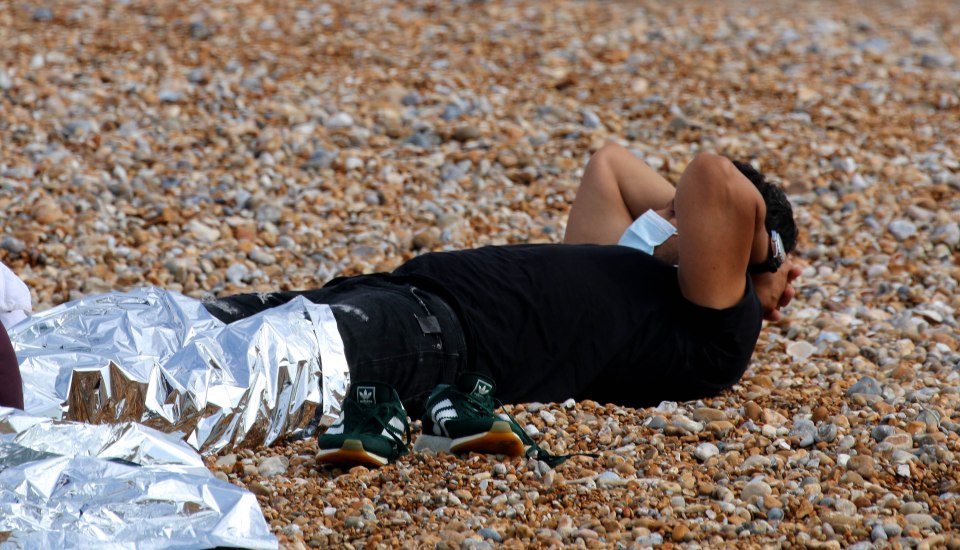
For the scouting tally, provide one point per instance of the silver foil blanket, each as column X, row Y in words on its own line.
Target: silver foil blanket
column 159, row 358
column 72, row 485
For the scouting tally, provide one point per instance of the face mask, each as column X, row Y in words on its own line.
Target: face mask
column 647, row 232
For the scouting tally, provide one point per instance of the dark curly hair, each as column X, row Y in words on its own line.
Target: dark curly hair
column 779, row 212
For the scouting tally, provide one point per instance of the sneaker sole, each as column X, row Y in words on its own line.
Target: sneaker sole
column 351, row 453
column 499, row 440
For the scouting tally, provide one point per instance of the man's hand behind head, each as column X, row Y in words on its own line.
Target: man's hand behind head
column 775, row 290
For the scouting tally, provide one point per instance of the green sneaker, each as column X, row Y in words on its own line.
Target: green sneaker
column 460, row 419
column 370, row 429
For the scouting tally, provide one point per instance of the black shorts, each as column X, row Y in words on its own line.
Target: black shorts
column 393, row 331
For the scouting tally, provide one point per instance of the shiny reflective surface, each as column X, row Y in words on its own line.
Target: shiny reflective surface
column 122, row 364
column 68, row 485
column 160, row 358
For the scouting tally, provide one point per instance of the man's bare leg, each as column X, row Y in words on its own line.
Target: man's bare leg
column 720, row 218
column 616, row 188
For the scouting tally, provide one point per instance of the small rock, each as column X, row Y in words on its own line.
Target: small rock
column 902, row 229
column 47, row 211
column 720, row 427
column 900, row 441
column 705, row 451
column 841, row 523
column 339, row 120
column 892, row 530
column 427, row 239
column 237, row 273
column 948, row 233
column 42, row 15
column 353, row 163
column 609, row 478
column 466, row 132
column 226, row 462
column 203, row 231
column 260, row 489
column 685, row 424
column 908, row 508
column 451, row 111
column 930, row 418
column 805, row 431
column 799, row 351
column 12, row 245
column 864, row 465
column 590, row 119
column 169, row 96
column 273, row 466
column 827, row 433
column 923, row 521
column 261, row 257
column 200, row 31
column 754, row 490
column 353, row 522
column 651, row 540
column 655, row 422
column 490, row 534
column 882, row 432
column 706, row 414
column 866, row 385
column 321, row 158
column 936, row 61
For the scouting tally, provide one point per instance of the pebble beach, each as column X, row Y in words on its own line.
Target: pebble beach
column 219, row 147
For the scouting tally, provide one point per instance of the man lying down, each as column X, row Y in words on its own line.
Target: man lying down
column 672, row 313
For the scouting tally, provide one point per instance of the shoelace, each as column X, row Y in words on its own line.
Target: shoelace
column 390, row 410
column 486, row 404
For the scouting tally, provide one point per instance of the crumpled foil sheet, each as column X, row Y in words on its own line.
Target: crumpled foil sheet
column 73, row 485
column 159, row 358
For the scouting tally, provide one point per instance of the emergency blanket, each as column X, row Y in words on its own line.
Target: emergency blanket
column 73, row 485
column 158, row 358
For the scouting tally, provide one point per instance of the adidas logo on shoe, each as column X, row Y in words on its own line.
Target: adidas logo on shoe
column 366, row 395
column 483, row 387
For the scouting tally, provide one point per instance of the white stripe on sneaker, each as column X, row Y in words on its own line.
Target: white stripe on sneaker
column 396, row 423
column 442, row 412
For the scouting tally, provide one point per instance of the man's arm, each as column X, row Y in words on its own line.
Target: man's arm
column 720, row 219
column 616, row 188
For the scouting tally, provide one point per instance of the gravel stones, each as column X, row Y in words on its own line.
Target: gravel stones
column 706, row 451
column 222, row 147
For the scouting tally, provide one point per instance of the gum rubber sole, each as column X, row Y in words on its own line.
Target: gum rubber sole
column 499, row 440
column 350, row 453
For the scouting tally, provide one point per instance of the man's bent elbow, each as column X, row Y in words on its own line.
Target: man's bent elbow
column 713, row 169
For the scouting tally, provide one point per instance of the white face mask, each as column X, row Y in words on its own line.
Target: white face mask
column 647, row 232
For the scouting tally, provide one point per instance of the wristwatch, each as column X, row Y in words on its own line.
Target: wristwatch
column 774, row 260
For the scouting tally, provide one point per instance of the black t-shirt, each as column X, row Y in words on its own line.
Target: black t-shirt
column 607, row 323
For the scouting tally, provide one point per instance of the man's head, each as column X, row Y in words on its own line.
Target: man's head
column 779, row 212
